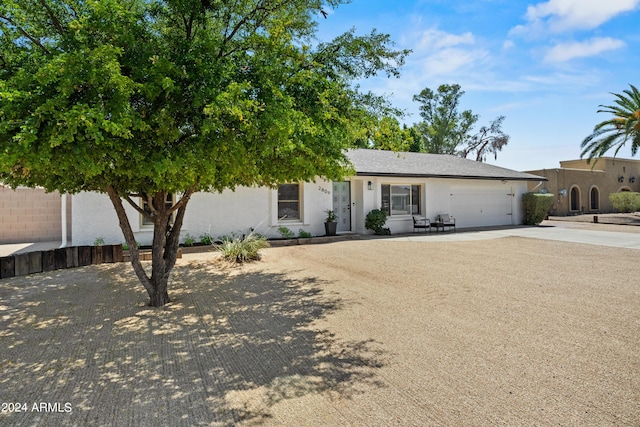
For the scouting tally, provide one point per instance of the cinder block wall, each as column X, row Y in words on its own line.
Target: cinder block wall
column 30, row 215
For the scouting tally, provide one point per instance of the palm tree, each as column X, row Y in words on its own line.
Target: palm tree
column 622, row 127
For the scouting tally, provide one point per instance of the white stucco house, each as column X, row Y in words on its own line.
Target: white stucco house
column 404, row 184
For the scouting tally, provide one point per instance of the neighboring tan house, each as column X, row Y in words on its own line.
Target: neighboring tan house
column 32, row 215
column 404, row 184
column 584, row 188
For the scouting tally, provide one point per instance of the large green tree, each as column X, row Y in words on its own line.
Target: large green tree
column 443, row 127
column 139, row 99
column 387, row 134
column 623, row 126
column 446, row 130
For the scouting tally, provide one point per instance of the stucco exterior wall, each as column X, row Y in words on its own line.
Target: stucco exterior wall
column 607, row 176
column 94, row 217
column 30, row 215
column 247, row 209
column 217, row 214
column 473, row 203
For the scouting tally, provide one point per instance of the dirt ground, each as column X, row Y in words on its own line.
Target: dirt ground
column 508, row 331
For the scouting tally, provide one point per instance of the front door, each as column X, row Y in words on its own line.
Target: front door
column 342, row 204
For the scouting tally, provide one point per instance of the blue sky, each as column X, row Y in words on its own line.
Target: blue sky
column 545, row 65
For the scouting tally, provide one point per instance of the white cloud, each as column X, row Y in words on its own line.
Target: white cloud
column 557, row 16
column 566, row 51
column 508, row 44
column 438, row 57
column 438, row 54
column 447, row 61
column 436, row 39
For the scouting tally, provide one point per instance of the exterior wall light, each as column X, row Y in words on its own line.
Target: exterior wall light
column 370, row 185
column 621, row 178
column 632, row 179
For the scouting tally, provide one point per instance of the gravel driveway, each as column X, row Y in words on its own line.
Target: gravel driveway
column 509, row 331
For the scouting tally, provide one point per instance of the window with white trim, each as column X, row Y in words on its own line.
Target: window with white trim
column 289, row 206
column 401, row 199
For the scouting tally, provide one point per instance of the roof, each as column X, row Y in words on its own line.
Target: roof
column 422, row 165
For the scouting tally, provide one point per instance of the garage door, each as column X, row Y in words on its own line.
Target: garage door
column 482, row 207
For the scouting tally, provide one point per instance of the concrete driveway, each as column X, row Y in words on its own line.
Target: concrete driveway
column 621, row 236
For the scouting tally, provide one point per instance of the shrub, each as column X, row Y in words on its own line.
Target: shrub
column 375, row 221
column 625, row 201
column 241, row 250
column 286, row 233
column 98, row 242
column 125, row 246
column 206, row 239
column 189, row 240
column 304, row 234
column 536, row 207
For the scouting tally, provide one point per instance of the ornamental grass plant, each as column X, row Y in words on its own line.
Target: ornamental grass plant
column 243, row 249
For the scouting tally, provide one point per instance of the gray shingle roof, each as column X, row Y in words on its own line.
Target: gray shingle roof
column 389, row 163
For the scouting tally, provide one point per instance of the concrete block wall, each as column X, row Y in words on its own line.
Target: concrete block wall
column 30, row 215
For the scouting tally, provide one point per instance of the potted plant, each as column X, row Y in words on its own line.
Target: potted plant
column 330, row 225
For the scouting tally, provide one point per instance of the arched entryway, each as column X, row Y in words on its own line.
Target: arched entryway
column 594, row 199
column 574, row 200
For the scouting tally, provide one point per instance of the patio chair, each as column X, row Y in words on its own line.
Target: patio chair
column 419, row 223
column 447, row 221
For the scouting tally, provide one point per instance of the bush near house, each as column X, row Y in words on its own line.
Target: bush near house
column 536, row 207
column 286, row 233
column 302, row 234
column 625, row 201
column 375, row 221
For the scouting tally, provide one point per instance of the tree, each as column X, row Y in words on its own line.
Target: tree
column 443, row 127
column 140, row 99
column 488, row 140
column 387, row 134
column 616, row 131
column 444, row 130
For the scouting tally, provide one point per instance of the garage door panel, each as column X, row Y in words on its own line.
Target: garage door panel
column 484, row 207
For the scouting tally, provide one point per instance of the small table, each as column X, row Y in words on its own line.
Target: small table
column 437, row 225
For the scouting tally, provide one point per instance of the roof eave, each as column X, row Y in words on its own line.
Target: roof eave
column 476, row 177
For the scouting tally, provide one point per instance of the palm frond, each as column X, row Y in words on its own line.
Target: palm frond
column 616, row 131
column 635, row 144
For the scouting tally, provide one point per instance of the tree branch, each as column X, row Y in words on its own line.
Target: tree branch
column 137, row 206
column 229, row 35
column 182, row 202
column 127, row 231
column 188, row 25
column 26, row 34
column 54, row 20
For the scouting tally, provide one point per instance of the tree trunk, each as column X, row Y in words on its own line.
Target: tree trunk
column 164, row 249
column 159, row 298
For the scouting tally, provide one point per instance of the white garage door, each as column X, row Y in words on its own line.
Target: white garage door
column 482, row 207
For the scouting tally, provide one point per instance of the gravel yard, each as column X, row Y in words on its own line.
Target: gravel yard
column 509, row 331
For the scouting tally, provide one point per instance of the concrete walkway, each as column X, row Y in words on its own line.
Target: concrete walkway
column 620, row 236
column 559, row 231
